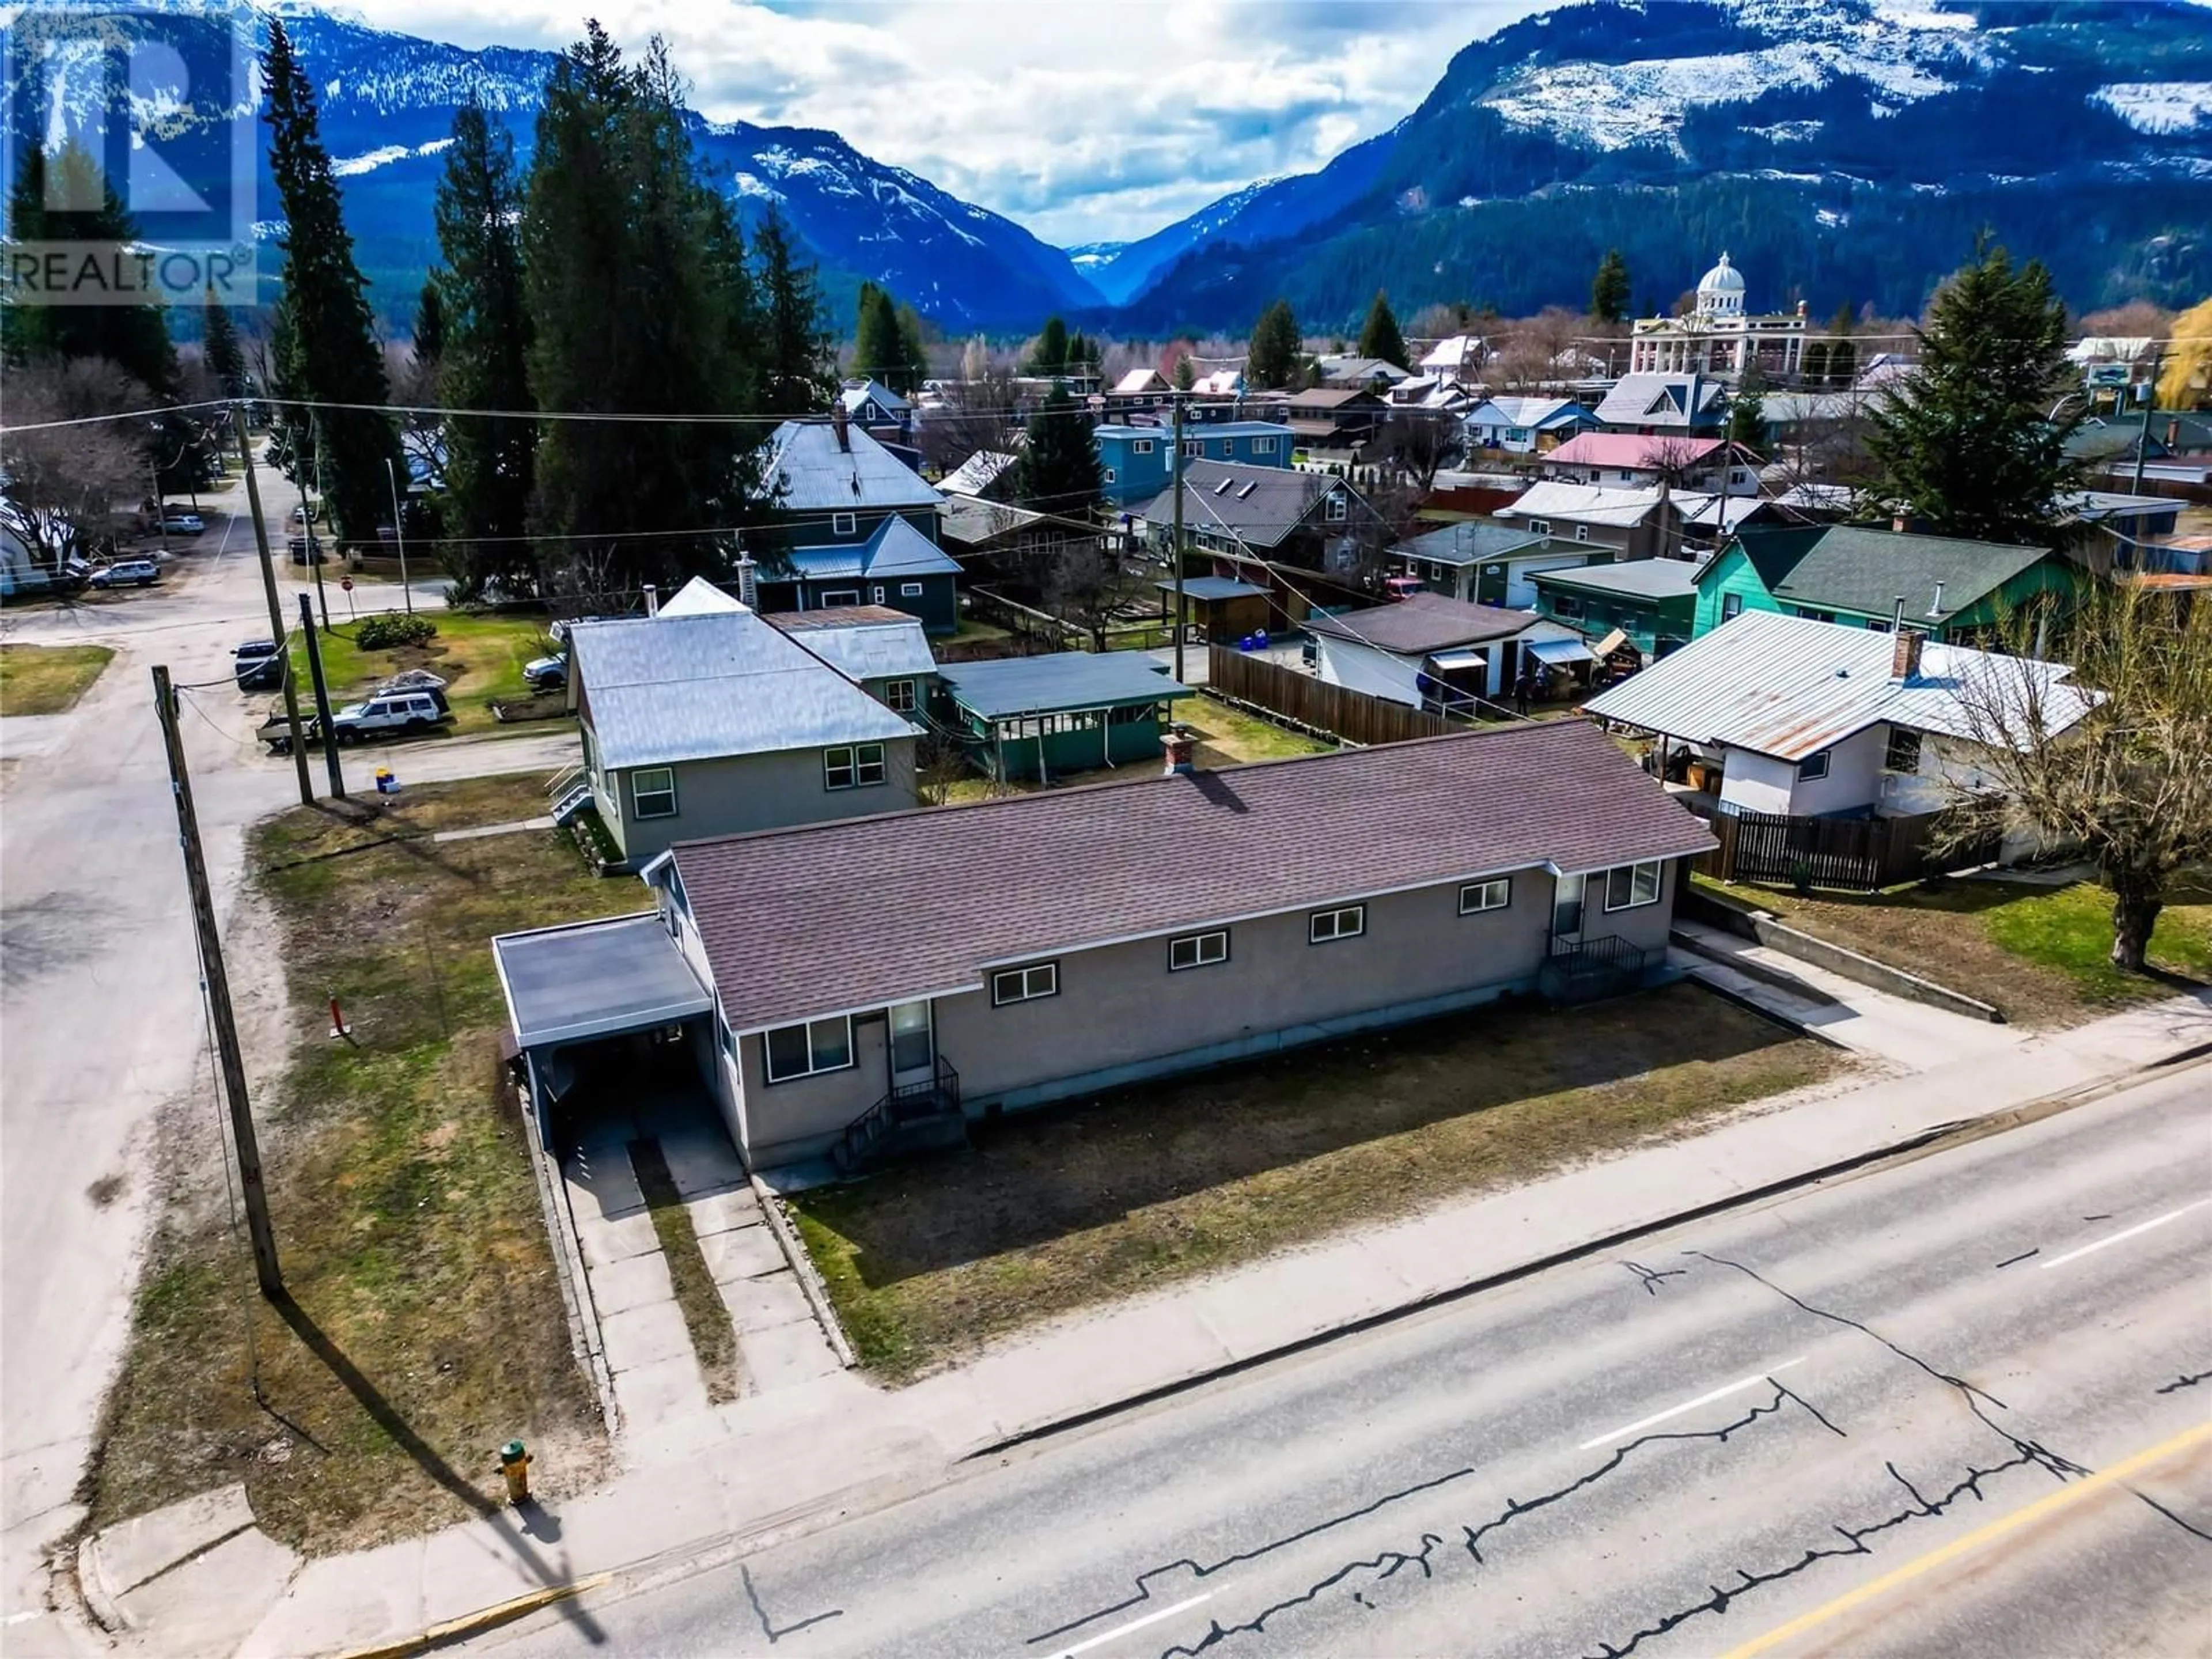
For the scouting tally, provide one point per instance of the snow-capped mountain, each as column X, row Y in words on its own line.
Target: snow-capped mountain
column 1845, row 150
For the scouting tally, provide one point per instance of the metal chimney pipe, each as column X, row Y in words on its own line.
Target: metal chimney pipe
column 748, row 581
column 1936, row 604
column 652, row 600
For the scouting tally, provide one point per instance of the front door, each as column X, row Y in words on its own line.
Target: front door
column 1567, row 910
column 914, row 1045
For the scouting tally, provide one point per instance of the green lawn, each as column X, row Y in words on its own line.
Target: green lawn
column 429, row 1326
column 480, row 657
column 1064, row 1208
column 1230, row 736
column 46, row 679
column 2040, row 954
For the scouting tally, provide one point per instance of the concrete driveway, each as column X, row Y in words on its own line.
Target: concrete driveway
column 102, row 1030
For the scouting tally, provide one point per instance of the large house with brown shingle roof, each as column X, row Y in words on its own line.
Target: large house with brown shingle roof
column 1135, row 929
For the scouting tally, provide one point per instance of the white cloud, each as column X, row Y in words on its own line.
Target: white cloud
column 1085, row 123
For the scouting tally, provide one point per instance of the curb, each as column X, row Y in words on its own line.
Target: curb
column 803, row 1270
column 1959, row 1131
column 483, row 1619
column 91, row 1585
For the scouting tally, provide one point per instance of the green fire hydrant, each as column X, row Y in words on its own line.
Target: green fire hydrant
column 514, row 1464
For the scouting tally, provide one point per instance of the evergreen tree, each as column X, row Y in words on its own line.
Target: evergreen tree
column 878, row 353
column 225, row 358
column 489, row 464
column 642, row 301
column 1186, row 372
column 334, row 357
column 428, row 342
column 1747, row 419
column 1278, row 350
column 1052, row 349
column 1379, row 338
column 914, row 353
column 794, row 378
column 1966, row 446
column 1059, row 469
column 1609, row 288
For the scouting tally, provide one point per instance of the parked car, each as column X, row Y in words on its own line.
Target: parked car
column 559, row 631
column 125, row 573
column 301, row 549
column 257, row 665
column 382, row 716
column 178, row 521
column 546, row 673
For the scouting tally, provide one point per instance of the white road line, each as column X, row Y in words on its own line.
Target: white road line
column 1688, row 1406
column 1120, row 1631
column 2126, row 1232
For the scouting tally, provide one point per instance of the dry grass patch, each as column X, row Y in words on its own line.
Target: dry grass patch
column 427, row 1327
column 48, row 679
column 1230, row 736
column 1053, row 1210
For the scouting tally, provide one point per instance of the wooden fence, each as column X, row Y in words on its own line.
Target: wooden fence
column 1305, row 701
column 1858, row 854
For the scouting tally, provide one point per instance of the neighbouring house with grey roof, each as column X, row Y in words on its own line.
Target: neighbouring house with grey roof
column 825, row 482
column 882, row 650
column 1535, row 858
column 896, row 566
column 1526, row 425
column 714, row 722
column 1253, row 515
column 872, row 405
column 1661, row 404
column 1435, row 652
column 1649, row 604
column 1486, row 561
column 1062, row 712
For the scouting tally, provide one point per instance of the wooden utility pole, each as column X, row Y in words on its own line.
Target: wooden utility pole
column 1175, row 466
column 218, row 995
column 309, row 511
column 2150, row 405
column 322, row 699
column 275, row 609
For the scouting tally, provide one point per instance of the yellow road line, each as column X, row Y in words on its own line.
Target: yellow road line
column 2048, row 1505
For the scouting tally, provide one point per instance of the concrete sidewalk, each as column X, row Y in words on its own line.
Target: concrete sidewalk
column 777, row 1459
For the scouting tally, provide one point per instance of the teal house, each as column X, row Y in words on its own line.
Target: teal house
column 1067, row 711
column 1952, row 589
column 1650, row 604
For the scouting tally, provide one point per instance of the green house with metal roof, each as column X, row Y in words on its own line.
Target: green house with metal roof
column 1067, row 711
column 1650, row 604
column 1951, row 589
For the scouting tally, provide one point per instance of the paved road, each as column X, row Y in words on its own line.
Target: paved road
column 100, row 1019
column 1762, row 1434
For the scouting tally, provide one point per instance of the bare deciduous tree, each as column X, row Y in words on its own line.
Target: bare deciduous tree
column 2131, row 783
column 1416, row 444
column 62, row 482
column 1086, row 586
column 978, row 415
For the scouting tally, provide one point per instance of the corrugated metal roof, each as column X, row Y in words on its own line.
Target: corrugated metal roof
column 699, row 597
column 1633, row 450
column 1790, row 687
column 1526, row 411
column 895, row 548
column 807, row 473
column 1659, row 400
column 972, row 520
column 977, row 473
column 1582, row 504
column 664, row 689
column 792, row 934
column 1058, row 681
column 862, row 642
column 1468, row 543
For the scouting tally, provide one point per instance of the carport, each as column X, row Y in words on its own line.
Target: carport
column 595, row 995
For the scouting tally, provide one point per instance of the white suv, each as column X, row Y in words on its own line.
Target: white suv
column 391, row 711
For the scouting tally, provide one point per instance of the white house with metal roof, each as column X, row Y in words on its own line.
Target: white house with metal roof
column 714, row 722
column 1815, row 719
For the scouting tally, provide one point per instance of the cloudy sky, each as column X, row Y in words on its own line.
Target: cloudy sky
column 1084, row 119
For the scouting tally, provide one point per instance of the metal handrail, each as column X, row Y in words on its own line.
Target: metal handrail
column 941, row 1088
column 564, row 780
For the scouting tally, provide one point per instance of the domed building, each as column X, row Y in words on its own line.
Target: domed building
column 1718, row 337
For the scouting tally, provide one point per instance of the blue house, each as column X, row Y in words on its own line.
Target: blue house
column 828, row 482
column 1137, row 459
column 896, row 566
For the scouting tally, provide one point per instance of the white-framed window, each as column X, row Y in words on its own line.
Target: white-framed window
column 653, row 793
column 1813, row 767
column 1731, row 606
column 876, row 594
column 1107, row 474
column 1337, row 507
column 1629, row 885
column 819, row 1045
column 1477, row 897
column 1194, row 448
column 909, row 590
column 1902, row 752
column 1198, row 950
column 844, row 524
column 1263, row 445
column 837, row 596
column 898, row 696
column 855, row 766
column 1039, row 979
column 1436, row 572
column 1582, row 532
column 1539, row 526
column 1348, row 922
column 1141, row 446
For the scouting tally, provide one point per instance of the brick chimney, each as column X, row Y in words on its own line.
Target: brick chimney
column 841, row 424
column 1904, row 655
column 1899, row 524
column 1178, row 745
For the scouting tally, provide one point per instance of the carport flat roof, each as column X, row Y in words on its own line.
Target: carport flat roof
column 595, row 979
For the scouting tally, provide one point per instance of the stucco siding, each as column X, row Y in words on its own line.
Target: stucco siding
column 1854, row 779
column 1757, row 783
column 736, row 794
